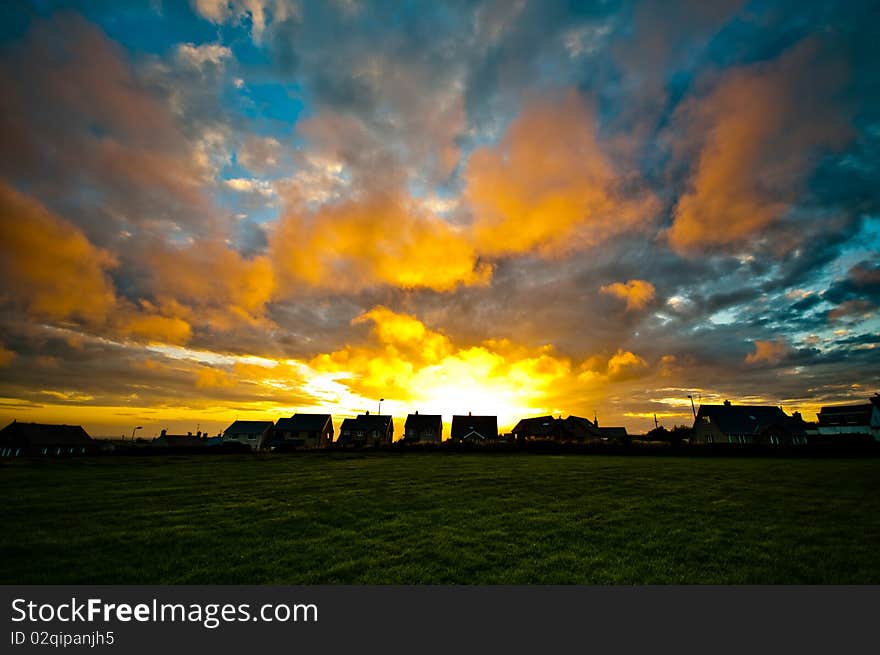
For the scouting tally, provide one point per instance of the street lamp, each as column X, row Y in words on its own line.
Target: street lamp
column 380, row 405
column 140, row 427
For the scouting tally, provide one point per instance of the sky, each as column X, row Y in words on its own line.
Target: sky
column 218, row 210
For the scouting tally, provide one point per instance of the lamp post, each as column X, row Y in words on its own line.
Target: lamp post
column 140, row 427
column 380, row 406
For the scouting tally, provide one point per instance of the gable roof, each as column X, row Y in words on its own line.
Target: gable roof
column 851, row 414
column 580, row 425
column 423, row 422
column 45, row 434
column 304, row 423
column 368, row 423
column 538, row 426
column 745, row 419
column 484, row 426
column 249, row 427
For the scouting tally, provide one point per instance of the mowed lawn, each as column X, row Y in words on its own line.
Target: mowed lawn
column 440, row 518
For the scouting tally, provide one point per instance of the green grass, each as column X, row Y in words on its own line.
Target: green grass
column 439, row 518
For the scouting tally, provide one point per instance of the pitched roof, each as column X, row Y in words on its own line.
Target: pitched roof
column 249, row 427
column 846, row 409
column 304, row 423
column 846, row 414
column 368, row 423
column 484, row 426
column 745, row 419
column 423, row 422
column 538, row 426
column 578, row 424
column 46, row 434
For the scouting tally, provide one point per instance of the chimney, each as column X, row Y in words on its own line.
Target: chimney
column 162, row 434
column 189, row 434
column 417, row 412
column 199, row 434
column 727, row 403
column 368, row 412
column 470, row 413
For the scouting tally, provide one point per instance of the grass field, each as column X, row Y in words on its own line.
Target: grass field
column 440, row 518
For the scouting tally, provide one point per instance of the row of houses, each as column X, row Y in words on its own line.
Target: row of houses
column 316, row 430
column 725, row 423
column 768, row 425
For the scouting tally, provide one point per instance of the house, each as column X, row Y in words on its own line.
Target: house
column 474, row 429
column 255, row 434
column 367, row 430
column 423, row 428
column 304, row 431
column 862, row 419
column 747, row 424
column 21, row 439
column 580, row 429
column 548, row 428
column 188, row 440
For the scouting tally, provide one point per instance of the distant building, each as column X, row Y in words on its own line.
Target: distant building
column 255, row 434
column 367, row 430
column 21, row 439
column 188, row 440
column 547, row 428
column 474, row 429
column 747, row 424
column 304, row 431
column 423, row 428
column 850, row 420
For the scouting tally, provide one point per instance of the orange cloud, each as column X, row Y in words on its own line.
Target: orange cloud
column 757, row 136
column 213, row 378
column 548, row 185
column 6, row 356
column 383, row 238
column 768, row 352
column 625, row 365
column 209, row 283
column 152, row 327
column 636, row 293
column 48, row 266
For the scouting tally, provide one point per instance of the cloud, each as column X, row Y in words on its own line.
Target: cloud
column 768, row 352
column 624, row 365
column 259, row 154
column 6, row 356
column 251, row 185
column 260, row 13
column 207, row 283
column 380, row 239
column 197, row 56
column 852, row 309
column 156, row 328
column 48, row 266
column 213, row 378
column 757, row 136
column 548, row 185
column 637, row 293
column 91, row 136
